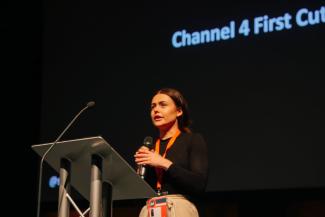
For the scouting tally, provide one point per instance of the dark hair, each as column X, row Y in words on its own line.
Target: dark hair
column 184, row 121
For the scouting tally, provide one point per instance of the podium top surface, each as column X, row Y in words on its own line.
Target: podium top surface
column 125, row 181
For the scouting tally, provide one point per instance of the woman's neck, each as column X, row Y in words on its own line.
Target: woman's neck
column 169, row 132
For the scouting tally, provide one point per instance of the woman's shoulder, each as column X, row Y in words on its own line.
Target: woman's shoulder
column 192, row 134
column 194, row 141
column 196, row 136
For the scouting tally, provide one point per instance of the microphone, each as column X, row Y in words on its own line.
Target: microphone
column 147, row 142
column 89, row 105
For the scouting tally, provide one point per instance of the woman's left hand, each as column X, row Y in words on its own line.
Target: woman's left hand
column 146, row 157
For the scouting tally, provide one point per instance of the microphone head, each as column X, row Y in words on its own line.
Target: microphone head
column 91, row 104
column 148, row 142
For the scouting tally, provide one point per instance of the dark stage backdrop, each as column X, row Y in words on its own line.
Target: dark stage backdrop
column 253, row 76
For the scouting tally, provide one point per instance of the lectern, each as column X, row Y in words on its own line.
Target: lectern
column 96, row 171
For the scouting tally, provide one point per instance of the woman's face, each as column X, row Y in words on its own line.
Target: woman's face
column 164, row 112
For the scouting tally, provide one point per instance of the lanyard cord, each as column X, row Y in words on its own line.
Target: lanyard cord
column 160, row 171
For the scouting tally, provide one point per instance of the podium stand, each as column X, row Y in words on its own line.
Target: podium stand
column 96, row 171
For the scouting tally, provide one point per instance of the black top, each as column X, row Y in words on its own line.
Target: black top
column 188, row 173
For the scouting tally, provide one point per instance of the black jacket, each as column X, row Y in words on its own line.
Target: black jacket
column 188, row 173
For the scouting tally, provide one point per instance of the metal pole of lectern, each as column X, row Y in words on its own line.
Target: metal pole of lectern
column 96, row 186
column 64, row 188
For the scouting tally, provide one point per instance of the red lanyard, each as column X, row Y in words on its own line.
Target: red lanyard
column 160, row 171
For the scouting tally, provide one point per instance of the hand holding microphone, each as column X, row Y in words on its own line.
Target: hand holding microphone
column 147, row 145
column 145, row 156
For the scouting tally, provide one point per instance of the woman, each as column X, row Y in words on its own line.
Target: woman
column 177, row 166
